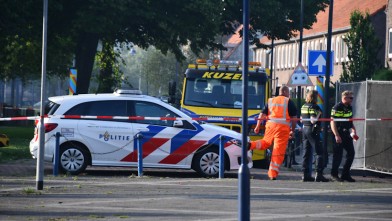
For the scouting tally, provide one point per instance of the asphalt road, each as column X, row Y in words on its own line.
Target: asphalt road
column 114, row 193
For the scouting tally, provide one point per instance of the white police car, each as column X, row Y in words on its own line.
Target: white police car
column 109, row 142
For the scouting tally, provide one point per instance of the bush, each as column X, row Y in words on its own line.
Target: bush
column 383, row 75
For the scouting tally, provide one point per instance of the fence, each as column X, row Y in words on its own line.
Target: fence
column 8, row 112
column 371, row 101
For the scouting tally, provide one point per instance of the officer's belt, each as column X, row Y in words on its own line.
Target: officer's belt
column 343, row 129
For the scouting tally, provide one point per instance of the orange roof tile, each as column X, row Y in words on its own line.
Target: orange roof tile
column 235, row 38
column 341, row 15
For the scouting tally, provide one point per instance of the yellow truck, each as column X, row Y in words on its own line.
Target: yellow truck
column 213, row 89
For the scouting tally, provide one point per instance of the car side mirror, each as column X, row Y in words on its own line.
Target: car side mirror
column 178, row 123
column 38, row 114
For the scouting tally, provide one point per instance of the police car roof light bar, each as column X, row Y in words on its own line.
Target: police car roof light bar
column 120, row 91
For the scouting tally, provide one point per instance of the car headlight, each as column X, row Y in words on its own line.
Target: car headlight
column 238, row 142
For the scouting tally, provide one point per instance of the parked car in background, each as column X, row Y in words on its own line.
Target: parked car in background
column 4, row 140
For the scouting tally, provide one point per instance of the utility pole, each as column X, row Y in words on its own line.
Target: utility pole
column 301, row 27
column 243, row 172
column 326, row 113
column 41, row 132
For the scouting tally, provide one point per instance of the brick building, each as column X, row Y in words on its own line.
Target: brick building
column 286, row 52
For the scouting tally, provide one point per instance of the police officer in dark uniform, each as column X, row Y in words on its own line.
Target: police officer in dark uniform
column 311, row 138
column 343, row 140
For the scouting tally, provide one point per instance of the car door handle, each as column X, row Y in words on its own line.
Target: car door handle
column 92, row 125
column 143, row 129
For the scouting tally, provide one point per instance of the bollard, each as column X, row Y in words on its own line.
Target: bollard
column 56, row 155
column 139, row 155
column 221, row 156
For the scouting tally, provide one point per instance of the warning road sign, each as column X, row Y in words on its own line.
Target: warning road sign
column 299, row 77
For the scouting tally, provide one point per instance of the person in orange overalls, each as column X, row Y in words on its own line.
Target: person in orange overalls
column 276, row 129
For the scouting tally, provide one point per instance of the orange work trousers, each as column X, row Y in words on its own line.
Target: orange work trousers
column 279, row 133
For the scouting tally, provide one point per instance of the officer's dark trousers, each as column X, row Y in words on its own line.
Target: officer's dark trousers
column 347, row 144
column 310, row 140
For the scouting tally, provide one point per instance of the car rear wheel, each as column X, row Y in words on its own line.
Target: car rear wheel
column 206, row 163
column 73, row 159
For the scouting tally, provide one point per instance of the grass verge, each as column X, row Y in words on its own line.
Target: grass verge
column 20, row 137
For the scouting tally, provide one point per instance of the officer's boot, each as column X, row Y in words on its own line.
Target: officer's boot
column 347, row 178
column 320, row 178
column 307, row 178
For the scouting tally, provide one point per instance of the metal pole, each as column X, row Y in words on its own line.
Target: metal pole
column 175, row 95
column 139, row 155
column 41, row 132
column 56, row 155
column 243, row 172
column 301, row 24
column 300, row 60
column 326, row 113
column 221, row 157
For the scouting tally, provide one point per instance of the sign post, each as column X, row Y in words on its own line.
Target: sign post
column 73, row 78
column 244, row 172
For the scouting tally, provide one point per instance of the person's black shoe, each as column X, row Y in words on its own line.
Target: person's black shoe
column 348, row 178
column 320, row 178
column 335, row 178
column 307, row 178
column 294, row 163
column 272, row 178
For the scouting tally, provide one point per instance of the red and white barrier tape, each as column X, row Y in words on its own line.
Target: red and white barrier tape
column 183, row 118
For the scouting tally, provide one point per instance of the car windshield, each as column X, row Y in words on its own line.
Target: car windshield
column 219, row 93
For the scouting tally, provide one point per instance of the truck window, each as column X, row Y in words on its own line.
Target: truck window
column 219, row 93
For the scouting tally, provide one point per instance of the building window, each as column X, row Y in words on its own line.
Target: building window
column 282, row 58
column 321, row 45
column 273, row 60
column 307, row 53
column 390, row 44
column 286, row 57
column 303, row 54
column 325, row 44
column 278, row 57
column 342, row 49
column 337, row 45
column 294, row 55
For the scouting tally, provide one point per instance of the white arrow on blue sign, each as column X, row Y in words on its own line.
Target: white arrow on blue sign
column 317, row 63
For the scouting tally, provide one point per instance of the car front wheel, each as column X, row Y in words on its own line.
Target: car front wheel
column 206, row 163
column 73, row 159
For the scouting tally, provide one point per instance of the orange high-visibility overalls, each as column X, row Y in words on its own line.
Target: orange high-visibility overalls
column 277, row 131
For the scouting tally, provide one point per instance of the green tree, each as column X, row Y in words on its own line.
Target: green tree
column 168, row 25
column 363, row 47
column 21, row 41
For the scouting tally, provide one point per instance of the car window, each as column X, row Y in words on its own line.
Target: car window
column 77, row 110
column 107, row 108
column 147, row 109
column 50, row 108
